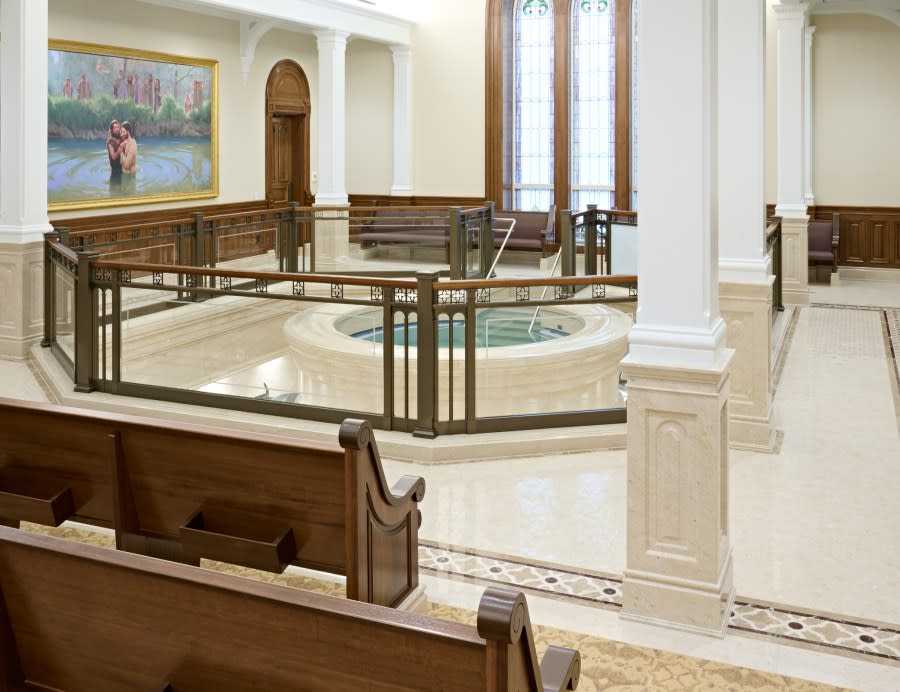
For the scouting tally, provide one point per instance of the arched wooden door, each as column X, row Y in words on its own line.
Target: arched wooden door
column 287, row 135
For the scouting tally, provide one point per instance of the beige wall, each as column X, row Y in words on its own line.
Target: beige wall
column 856, row 108
column 370, row 117
column 143, row 26
column 448, row 92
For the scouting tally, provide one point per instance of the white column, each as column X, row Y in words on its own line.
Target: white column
column 809, row 197
column 745, row 283
column 791, row 206
column 332, row 244
column 331, row 119
column 679, row 565
column 791, row 22
column 23, row 172
column 23, row 139
column 402, row 120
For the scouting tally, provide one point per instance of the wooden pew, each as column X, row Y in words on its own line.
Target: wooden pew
column 76, row 617
column 182, row 492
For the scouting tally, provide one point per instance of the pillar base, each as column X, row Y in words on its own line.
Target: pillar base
column 679, row 565
column 22, row 288
column 746, row 307
column 681, row 604
column 751, row 433
column 795, row 260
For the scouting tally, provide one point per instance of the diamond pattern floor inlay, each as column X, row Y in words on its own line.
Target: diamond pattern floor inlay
column 606, row 591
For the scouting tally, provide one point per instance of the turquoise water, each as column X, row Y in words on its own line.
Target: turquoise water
column 493, row 328
column 78, row 170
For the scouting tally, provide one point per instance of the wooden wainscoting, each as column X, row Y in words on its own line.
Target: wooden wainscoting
column 360, row 200
column 870, row 236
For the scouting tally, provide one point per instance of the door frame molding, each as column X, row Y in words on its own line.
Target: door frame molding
column 294, row 101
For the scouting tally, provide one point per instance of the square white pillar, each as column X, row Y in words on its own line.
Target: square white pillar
column 331, row 120
column 402, row 185
column 744, row 266
column 23, row 172
column 678, row 570
column 791, row 206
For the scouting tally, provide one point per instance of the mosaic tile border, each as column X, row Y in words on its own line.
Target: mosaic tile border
column 836, row 634
column 838, row 306
column 891, row 321
column 782, row 354
column 42, row 382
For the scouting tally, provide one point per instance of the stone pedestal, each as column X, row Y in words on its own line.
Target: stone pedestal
column 794, row 260
column 679, row 565
column 22, row 306
column 332, row 244
column 746, row 308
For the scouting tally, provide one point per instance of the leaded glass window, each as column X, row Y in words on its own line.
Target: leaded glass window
column 533, row 99
column 561, row 103
column 592, row 130
column 634, row 107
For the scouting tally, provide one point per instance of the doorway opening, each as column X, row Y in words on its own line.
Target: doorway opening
column 287, row 135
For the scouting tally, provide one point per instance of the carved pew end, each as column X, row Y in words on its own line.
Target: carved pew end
column 238, row 538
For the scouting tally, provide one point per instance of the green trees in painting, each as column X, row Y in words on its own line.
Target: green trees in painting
column 70, row 118
column 87, row 91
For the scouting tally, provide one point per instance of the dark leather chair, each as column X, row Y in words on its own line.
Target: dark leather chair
column 823, row 241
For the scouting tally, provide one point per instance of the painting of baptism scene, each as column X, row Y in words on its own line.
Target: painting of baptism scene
column 127, row 127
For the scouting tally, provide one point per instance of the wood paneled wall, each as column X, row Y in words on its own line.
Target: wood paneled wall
column 870, row 236
column 357, row 200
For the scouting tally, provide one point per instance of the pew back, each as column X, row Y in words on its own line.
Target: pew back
column 183, row 492
column 75, row 617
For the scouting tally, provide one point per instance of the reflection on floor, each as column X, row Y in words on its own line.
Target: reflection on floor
column 815, row 527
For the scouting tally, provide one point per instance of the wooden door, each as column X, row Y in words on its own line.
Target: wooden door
column 280, row 183
column 287, row 135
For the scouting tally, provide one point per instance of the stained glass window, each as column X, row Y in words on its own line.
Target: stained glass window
column 533, row 99
column 592, row 129
column 590, row 105
column 634, row 107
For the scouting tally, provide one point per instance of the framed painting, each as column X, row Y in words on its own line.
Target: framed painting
column 129, row 127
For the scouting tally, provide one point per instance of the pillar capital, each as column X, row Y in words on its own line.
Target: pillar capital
column 791, row 11
column 331, row 37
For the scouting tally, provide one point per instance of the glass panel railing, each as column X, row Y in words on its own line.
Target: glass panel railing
column 384, row 239
column 568, row 361
column 261, row 348
column 64, row 312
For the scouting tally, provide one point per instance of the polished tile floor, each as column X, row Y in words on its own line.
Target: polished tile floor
column 815, row 528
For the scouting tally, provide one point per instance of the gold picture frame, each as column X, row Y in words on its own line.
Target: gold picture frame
column 170, row 103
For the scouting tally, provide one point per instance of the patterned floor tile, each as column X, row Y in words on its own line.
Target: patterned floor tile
column 606, row 591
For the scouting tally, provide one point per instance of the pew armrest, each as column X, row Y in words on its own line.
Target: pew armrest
column 560, row 669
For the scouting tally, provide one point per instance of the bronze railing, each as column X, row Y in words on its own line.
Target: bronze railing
column 291, row 234
column 221, row 324
column 590, row 230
